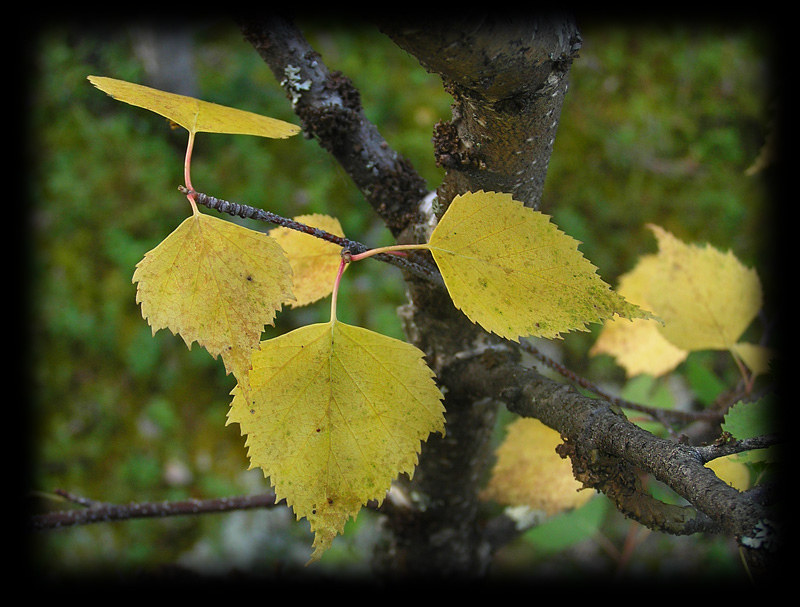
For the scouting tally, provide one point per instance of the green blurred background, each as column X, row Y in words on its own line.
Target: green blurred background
column 659, row 125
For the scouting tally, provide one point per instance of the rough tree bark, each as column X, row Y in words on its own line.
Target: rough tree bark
column 508, row 80
column 508, row 77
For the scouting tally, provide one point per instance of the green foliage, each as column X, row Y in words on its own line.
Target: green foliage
column 663, row 123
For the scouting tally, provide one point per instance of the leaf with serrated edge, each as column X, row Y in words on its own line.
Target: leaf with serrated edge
column 512, row 271
column 638, row 346
column 705, row 297
column 193, row 114
column 214, row 282
column 335, row 413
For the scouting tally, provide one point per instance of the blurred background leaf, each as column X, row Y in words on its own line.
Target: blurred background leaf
column 659, row 126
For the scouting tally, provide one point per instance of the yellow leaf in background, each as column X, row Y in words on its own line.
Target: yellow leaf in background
column 706, row 298
column 732, row 471
column 335, row 413
column 315, row 262
column 757, row 358
column 512, row 271
column 638, row 346
column 214, row 282
column 193, row 114
column 529, row 472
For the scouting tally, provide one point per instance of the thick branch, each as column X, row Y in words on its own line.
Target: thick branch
column 507, row 100
column 508, row 76
column 330, row 111
column 607, row 451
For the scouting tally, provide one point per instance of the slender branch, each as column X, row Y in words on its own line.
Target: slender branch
column 102, row 512
column 708, row 453
column 248, row 212
column 354, row 247
column 98, row 512
column 663, row 416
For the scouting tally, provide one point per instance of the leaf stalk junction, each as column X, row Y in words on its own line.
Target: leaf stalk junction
column 392, row 254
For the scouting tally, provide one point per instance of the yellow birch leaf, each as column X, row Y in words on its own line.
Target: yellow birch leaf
column 638, row 346
column 193, row 114
column 731, row 470
column 529, row 472
column 756, row 357
column 335, row 413
column 706, row 298
column 512, row 271
column 314, row 261
column 214, row 282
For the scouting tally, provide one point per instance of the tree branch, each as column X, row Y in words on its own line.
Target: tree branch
column 508, row 77
column 608, row 451
column 730, row 447
column 663, row 416
column 427, row 271
column 329, row 108
column 99, row 512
